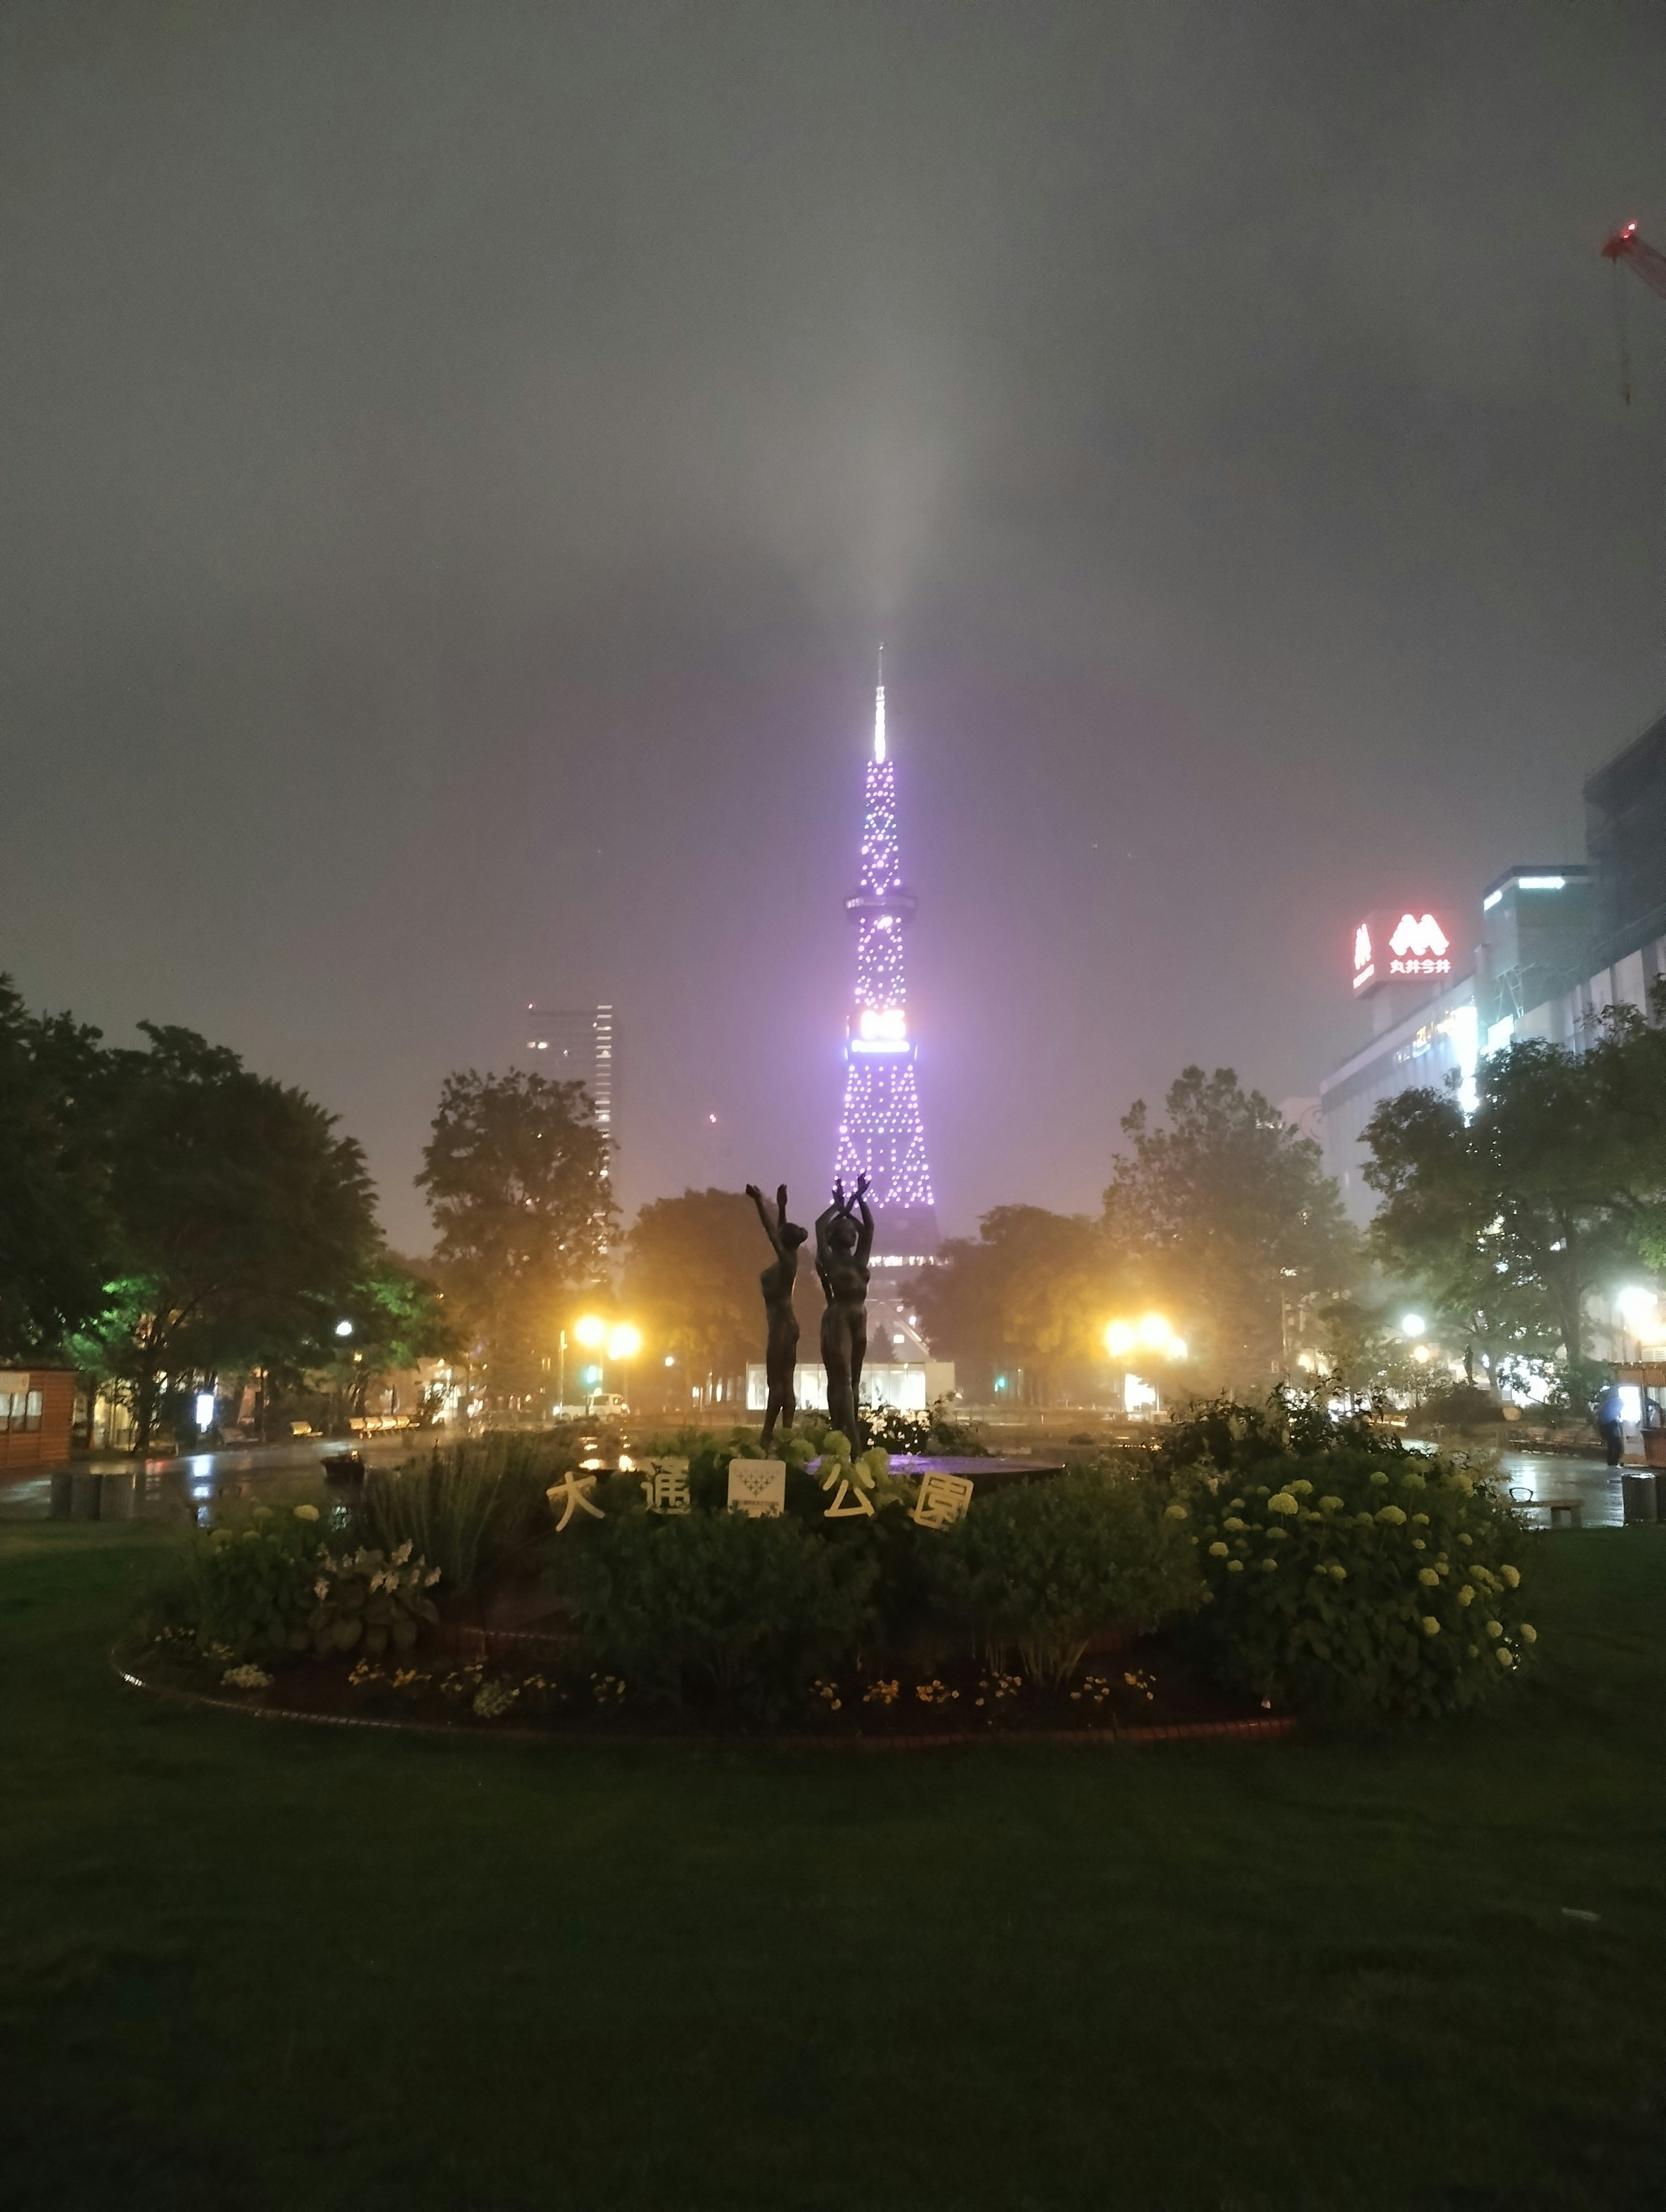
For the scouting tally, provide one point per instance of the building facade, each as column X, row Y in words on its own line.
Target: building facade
column 1555, row 944
column 575, row 1044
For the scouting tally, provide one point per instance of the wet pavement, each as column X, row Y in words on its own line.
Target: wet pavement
column 1533, row 1478
column 191, row 1486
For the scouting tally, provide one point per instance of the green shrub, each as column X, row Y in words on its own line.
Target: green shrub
column 1047, row 1565
column 750, row 1607
column 366, row 1599
column 1345, row 1571
column 932, row 1429
column 472, row 1509
column 275, row 1586
column 245, row 1588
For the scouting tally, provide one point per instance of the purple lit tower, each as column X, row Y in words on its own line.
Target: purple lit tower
column 880, row 1134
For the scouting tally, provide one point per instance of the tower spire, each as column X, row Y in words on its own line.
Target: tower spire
column 881, row 1135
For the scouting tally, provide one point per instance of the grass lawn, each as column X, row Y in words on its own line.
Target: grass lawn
column 246, row 1964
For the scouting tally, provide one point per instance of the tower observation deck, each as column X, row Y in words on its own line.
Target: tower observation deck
column 880, row 1132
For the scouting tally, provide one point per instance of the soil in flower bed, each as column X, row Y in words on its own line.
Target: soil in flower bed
column 1146, row 1686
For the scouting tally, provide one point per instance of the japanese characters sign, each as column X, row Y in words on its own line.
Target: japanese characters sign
column 571, row 1495
column 758, row 1487
column 943, row 1500
column 666, row 1485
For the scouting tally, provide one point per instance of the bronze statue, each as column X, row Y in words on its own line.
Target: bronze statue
column 843, row 1249
column 781, row 1354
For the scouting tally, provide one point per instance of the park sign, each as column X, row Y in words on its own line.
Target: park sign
column 1401, row 945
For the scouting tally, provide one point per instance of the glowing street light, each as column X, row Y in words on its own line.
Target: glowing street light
column 1638, row 1305
column 625, row 1342
column 589, row 1330
column 343, row 1328
column 1151, row 1333
column 1412, row 1324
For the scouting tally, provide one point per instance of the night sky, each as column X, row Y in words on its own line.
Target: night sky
column 456, row 464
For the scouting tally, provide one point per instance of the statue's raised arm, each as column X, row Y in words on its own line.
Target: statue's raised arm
column 865, row 1242
column 771, row 1229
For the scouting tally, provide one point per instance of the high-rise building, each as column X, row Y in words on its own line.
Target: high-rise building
column 575, row 1045
column 880, row 1134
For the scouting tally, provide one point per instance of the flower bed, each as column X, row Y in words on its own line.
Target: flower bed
column 1254, row 1562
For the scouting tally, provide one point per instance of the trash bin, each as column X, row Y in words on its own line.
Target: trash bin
column 1641, row 1493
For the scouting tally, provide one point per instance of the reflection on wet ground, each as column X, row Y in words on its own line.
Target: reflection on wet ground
column 1533, row 1479
column 189, row 1488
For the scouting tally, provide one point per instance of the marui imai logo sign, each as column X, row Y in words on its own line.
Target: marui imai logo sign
column 1399, row 949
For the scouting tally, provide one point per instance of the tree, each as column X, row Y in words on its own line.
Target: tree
column 692, row 1274
column 1227, row 1217
column 241, row 1220
column 397, row 1317
column 1554, row 1184
column 55, row 1231
column 516, row 1178
column 1028, row 1296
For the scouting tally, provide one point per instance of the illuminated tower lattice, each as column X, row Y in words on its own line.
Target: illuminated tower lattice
column 881, row 1135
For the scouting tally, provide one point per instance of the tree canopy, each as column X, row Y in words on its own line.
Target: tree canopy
column 516, row 1177
column 54, row 1219
column 240, row 1221
column 1029, row 1296
column 1551, row 1190
column 691, row 1275
column 1227, row 1219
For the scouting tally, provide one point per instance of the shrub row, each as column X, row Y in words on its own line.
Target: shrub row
column 1310, row 1562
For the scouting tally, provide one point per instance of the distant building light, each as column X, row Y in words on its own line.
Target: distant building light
column 1498, row 1034
column 1541, row 883
column 1491, row 901
column 204, row 1411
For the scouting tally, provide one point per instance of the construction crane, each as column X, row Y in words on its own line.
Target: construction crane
column 1647, row 264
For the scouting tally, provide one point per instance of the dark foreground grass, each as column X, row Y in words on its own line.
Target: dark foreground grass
column 243, row 1965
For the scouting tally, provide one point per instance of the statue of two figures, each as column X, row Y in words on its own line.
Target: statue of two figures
column 844, row 1242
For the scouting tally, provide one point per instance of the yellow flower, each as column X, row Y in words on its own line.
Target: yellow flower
column 1428, row 1578
column 1420, row 1520
column 1337, row 1573
column 1235, row 1566
column 1330, row 1505
column 1233, row 1522
column 1466, row 1595
column 1430, row 1626
column 306, row 1513
column 1495, row 1628
column 1528, row 1633
column 1217, row 1550
column 1282, row 1502
column 1177, row 1513
column 1505, row 1658
column 1270, row 1566
column 1394, row 1514
column 1511, row 1577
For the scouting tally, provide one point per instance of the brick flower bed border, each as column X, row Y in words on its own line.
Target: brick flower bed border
column 1279, row 1728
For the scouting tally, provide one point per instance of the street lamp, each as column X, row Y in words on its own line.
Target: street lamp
column 1151, row 1333
column 343, row 1328
column 1412, row 1324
